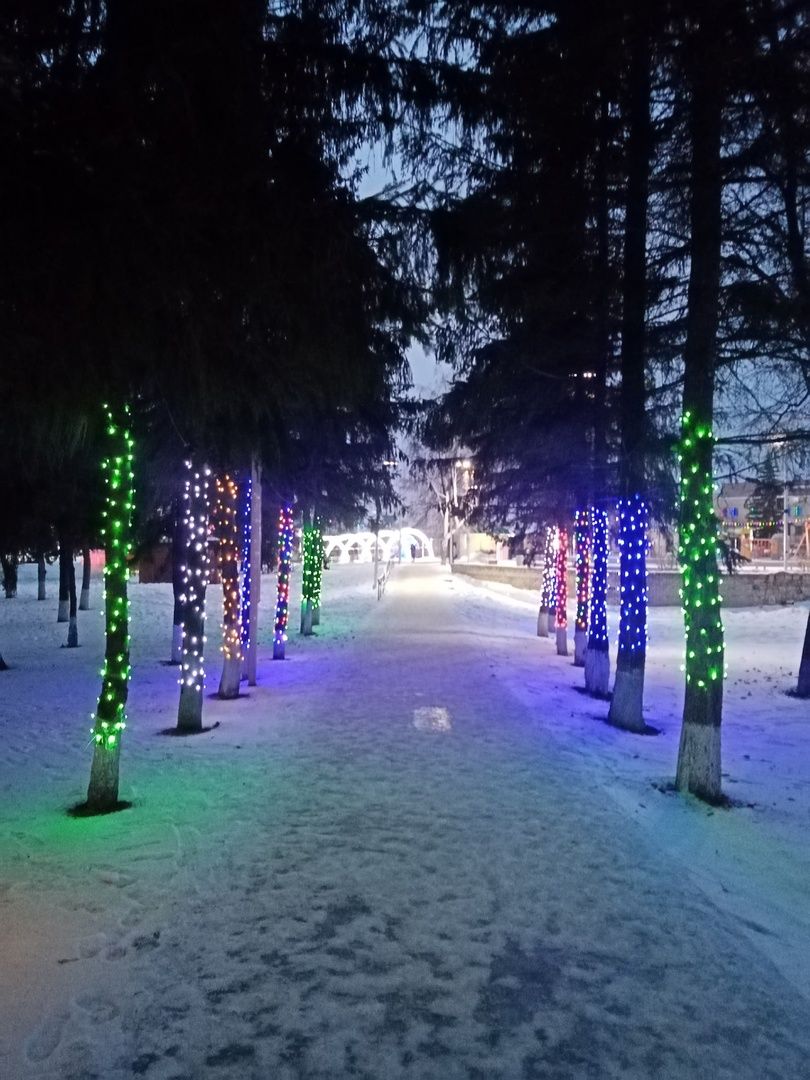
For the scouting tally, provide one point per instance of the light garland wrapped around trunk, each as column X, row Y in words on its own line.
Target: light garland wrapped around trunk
column 247, row 502
column 195, row 582
column 547, row 582
column 286, row 537
column 582, row 551
column 561, row 597
column 310, row 576
column 227, row 523
column 628, row 689
column 700, row 594
column 110, row 718
column 597, row 655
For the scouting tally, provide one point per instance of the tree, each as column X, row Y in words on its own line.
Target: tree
column 698, row 768
column 628, row 689
column 110, row 718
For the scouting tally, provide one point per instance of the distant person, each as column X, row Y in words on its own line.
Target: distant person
column 413, row 552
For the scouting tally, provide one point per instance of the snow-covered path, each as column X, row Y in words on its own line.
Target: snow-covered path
column 382, row 864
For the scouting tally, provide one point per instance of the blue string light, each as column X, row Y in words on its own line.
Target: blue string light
column 286, row 536
column 598, row 630
column 582, row 545
column 633, row 523
column 247, row 487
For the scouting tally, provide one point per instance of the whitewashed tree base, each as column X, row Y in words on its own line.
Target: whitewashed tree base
column 63, row 612
column 551, row 622
column 542, row 623
column 597, row 672
column 580, row 647
column 231, row 678
column 561, row 633
column 84, row 600
column 102, row 792
column 316, row 616
column 73, row 633
column 699, row 761
column 279, row 650
column 306, row 618
column 628, row 699
column 177, row 643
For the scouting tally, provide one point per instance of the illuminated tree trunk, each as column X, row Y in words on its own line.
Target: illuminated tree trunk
column 65, row 562
column 626, row 707
column 546, row 586
column 699, row 752
column 317, row 568
column 42, row 573
column 110, row 718
column 628, row 689
column 803, row 685
column 552, row 595
column 561, row 598
column 178, row 589
column 286, row 535
column 84, row 599
column 247, row 501
column 308, row 542
column 227, row 524
column 10, row 563
column 597, row 655
column 195, row 582
column 252, row 651
column 582, row 546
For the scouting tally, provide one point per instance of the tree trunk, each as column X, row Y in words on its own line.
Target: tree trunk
column 307, row 574
column 42, row 573
column 582, row 544
column 247, row 526
column 699, row 766
column 10, row 563
column 227, row 524
column 195, row 582
column 178, row 590
column 73, row 625
column 317, row 570
column 3, row 664
column 597, row 655
column 626, row 707
column 65, row 563
column 803, row 685
column 84, row 600
column 286, row 535
column 110, row 719
column 561, row 597
column 546, row 584
column 251, row 655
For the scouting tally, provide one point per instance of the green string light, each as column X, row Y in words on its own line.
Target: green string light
column 109, row 719
column 697, row 550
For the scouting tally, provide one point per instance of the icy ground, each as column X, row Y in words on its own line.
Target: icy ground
column 415, row 850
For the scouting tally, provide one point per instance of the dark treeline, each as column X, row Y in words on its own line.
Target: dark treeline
column 598, row 217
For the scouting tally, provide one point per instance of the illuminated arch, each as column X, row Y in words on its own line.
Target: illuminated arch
column 339, row 547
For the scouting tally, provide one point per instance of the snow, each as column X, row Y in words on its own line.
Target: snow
column 415, row 849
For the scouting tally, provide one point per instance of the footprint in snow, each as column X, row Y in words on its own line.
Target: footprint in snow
column 45, row 1040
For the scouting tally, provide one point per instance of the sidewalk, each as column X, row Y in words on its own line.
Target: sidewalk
column 382, row 866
